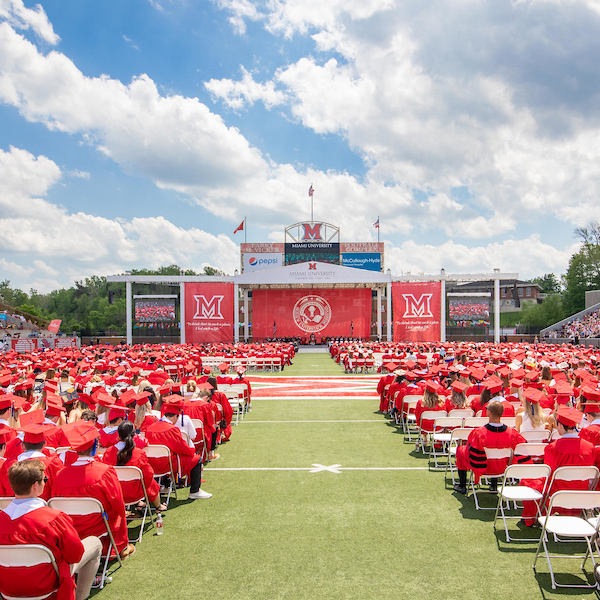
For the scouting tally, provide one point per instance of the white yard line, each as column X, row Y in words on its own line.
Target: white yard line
column 315, row 468
column 326, row 421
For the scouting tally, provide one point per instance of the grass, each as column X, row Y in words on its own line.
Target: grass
column 392, row 534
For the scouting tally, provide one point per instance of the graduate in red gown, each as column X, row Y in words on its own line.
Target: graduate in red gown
column 27, row 520
column 87, row 477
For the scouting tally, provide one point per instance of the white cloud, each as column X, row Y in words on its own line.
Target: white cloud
column 241, row 10
column 79, row 174
column 15, row 13
column 236, row 94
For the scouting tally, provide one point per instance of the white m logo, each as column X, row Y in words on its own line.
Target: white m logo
column 208, row 309
column 417, row 308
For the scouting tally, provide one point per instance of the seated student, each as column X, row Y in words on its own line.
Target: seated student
column 430, row 401
column 5, row 408
column 165, row 433
column 472, row 456
column 125, row 453
column 89, row 477
column 530, row 416
column 32, row 445
column 27, row 520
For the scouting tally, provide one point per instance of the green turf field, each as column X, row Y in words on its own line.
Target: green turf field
column 282, row 532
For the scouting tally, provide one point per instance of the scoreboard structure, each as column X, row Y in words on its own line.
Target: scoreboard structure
column 312, row 242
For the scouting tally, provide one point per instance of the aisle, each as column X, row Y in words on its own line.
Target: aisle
column 319, row 497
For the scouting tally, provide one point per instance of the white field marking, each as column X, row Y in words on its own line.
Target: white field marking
column 331, row 421
column 341, row 377
column 364, row 397
column 303, row 386
column 315, row 468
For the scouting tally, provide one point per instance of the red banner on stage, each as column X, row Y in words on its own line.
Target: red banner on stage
column 208, row 312
column 417, row 311
column 324, row 313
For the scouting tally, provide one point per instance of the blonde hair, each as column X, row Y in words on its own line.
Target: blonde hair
column 431, row 399
column 141, row 410
column 534, row 410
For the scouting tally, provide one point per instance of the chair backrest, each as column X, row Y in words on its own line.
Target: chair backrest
column 463, row 413
column 129, row 473
column 574, row 499
column 536, row 435
column 5, row 501
column 157, row 451
column 533, row 449
column 475, row 421
column 528, row 472
column 412, row 398
column 577, row 473
column 509, row 421
column 498, row 453
column 472, row 397
column 76, row 506
column 460, row 434
column 26, row 555
column 447, row 422
column 432, row 415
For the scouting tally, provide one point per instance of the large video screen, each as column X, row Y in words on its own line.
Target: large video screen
column 154, row 311
column 326, row 252
column 468, row 311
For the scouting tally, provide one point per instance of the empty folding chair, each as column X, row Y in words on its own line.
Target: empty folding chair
column 441, row 436
column 501, row 458
column 513, row 491
column 409, row 419
column 457, row 437
column 567, row 527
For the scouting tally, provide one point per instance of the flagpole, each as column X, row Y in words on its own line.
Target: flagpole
column 246, row 232
column 378, row 228
column 311, row 204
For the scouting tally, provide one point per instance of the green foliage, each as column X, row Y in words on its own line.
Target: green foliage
column 92, row 305
column 549, row 283
column 542, row 315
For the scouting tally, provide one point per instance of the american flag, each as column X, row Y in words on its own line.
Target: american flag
column 311, row 191
column 376, row 224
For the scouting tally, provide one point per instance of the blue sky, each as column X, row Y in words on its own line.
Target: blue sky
column 139, row 134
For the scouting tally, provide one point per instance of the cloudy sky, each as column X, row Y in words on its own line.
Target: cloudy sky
column 140, row 133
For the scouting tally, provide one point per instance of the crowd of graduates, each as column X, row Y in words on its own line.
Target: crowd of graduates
column 545, row 388
column 69, row 416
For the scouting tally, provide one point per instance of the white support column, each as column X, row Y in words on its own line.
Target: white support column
column 246, row 315
column 182, row 312
column 128, row 310
column 496, row 306
column 379, row 314
column 443, row 307
column 389, row 312
column 236, row 312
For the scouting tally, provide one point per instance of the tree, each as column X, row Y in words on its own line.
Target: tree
column 542, row 315
column 549, row 283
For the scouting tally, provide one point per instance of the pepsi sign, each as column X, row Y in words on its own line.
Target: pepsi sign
column 261, row 261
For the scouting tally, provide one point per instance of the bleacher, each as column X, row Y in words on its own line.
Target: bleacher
column 585, row 325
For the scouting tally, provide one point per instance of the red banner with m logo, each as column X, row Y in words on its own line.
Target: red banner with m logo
column 417, row 311
column 208, row 312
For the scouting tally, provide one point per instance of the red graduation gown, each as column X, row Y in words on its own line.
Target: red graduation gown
column 166, row 434
column 131, row 489
column 52, row 529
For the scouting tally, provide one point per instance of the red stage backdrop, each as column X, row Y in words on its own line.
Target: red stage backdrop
column 208, row 312
column 290, row 313
column 417, row 311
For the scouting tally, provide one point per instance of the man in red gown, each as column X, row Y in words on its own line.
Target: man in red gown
column 27, row 520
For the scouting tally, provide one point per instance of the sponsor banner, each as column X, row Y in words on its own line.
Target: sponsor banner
column 371, row 261
column 361, row 247
column 277, row 248
column 322, row 312
column 258, row 262
column 325, row 252
column 417, row 311
column 24, row 344
column 64, row 342
column 208, row 312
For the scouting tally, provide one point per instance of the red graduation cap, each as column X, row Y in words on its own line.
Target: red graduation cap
column 35, row 417
column 569, row 417
column 534, row 396
column 36, row 433
column 82, row 435
column 459, row 386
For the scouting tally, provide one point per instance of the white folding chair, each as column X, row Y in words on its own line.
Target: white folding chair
column 83, row 506
column 440, row 439
column 236, row 403
column 588, row 475
column 473, row 422
column 566, row 527
column 158, row 451
column 457, row 437
column 535, row 450
column 491, row 454
column 536, row 435
column 128, row 473
column 199, row 442
column 515, row 492
column 509, row 421
column 428, row 415
column 26, row 555
column 463, row 413
column 409, row 418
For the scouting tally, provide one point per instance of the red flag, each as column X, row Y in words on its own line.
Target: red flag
column 54, row 325
column 240, row 227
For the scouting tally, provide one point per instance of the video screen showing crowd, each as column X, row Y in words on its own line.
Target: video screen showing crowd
column 70, row 419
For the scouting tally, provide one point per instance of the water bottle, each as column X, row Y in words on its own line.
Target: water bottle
column 159, row 524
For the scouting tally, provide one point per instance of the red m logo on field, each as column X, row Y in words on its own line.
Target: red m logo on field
column 208, row 309
column 312, row 233
column 312, row 266
column 417, row 308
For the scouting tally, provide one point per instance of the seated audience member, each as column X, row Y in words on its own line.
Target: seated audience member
column 164, row 432
column 87, row 477
column 531, row 417
column 472, row 456
column 125, row 453
column 27, row 520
